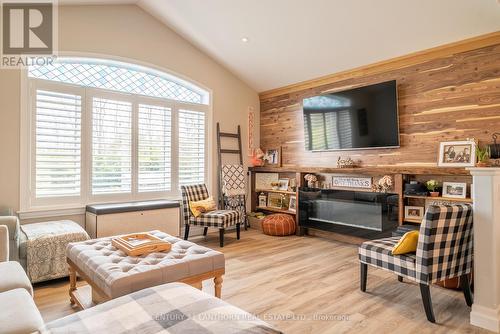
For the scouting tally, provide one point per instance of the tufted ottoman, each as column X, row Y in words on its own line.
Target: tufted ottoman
column 278, row 224
column 111, row 273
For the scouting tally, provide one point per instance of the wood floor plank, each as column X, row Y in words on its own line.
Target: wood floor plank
column 308, row 285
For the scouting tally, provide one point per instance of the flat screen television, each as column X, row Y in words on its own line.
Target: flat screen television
column 360, row 118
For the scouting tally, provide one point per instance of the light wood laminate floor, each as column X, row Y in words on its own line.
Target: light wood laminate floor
column 309, row 285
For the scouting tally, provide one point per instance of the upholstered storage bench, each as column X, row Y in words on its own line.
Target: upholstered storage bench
column 43, row 245
column 104, row 220
column 111, row 273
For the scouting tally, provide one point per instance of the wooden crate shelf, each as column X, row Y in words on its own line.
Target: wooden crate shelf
column 266, row 208
column 275, row 191
column 374, row 170
column 413, row 221
column 401, row 174
column 440, row 198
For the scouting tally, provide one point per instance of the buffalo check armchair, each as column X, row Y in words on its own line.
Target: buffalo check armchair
column 444, row 251
column 220, row 219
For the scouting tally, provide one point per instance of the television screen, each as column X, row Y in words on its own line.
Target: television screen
column 365, row 117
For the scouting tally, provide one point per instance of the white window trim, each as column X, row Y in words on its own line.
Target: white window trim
column 31, row 208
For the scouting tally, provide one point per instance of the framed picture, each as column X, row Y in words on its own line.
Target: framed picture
column 414, row 212
column 457, row 154
column 273, row 156
column 262, row 200
column 274, row 200
column 454, row 189
column 292, row 205
column 283, row 184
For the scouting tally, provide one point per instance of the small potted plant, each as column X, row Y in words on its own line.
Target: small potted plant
column 483, row 156
column 432, row 186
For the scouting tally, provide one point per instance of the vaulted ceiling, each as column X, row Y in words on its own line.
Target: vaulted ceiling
column 289, row 41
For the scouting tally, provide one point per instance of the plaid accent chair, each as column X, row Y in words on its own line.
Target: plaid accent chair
column 218, row 218
column 444, row 251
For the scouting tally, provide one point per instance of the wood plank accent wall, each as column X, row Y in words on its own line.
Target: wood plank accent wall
column 452, row 97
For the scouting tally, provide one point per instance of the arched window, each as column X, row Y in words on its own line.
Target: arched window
column 121, row 77
column 109, row 130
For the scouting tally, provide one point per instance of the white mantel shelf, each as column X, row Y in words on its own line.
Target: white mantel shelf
column 484, row 170
column 486, row 308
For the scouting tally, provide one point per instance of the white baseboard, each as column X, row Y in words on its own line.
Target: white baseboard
column 485, row 317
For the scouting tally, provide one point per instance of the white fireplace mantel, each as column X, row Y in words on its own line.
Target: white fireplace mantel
column 486, row 194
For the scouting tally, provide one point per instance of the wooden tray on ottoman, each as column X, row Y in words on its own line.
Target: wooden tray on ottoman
column 137, row 244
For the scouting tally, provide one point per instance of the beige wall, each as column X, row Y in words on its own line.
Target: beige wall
column 9, row 138
column 124, row 31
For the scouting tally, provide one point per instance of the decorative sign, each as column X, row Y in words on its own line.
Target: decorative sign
column 352, row 182
column 251, row 117
column 263, row 180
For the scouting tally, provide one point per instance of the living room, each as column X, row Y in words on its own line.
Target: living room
column 221, row 166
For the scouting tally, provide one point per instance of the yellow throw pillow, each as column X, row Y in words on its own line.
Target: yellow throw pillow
column 199, row 207
column 407, row 243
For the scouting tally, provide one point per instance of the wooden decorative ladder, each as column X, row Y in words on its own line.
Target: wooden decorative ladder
column 220, row 152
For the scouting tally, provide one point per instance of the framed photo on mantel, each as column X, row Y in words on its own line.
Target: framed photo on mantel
column 457, row 154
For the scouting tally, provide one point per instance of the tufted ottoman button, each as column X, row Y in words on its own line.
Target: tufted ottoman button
column 278, row 224
column 126, row 269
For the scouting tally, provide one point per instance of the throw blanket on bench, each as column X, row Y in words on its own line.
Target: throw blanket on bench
column 46, row 248
column 168, row 308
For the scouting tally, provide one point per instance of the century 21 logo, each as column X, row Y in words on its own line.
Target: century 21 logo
column 27, row 28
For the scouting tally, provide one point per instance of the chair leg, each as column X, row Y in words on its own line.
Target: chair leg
column 238, row 231
column 205, row 231
column 186, row 231
column 426, row 298
column 363, row 278
column 221, row 237
column 464, row 283
column 400, row 278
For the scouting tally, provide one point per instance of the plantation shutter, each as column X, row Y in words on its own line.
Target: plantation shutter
column 154, row 152
column 191, row 147
column 111, row 146
column 58, row 144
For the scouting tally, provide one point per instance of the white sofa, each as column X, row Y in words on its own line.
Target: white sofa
column 11, row 252
column 19, row 313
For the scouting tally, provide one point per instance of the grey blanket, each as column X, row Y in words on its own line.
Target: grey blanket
column 168, row 308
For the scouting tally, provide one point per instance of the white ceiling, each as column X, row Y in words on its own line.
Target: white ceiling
column 296, row 40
